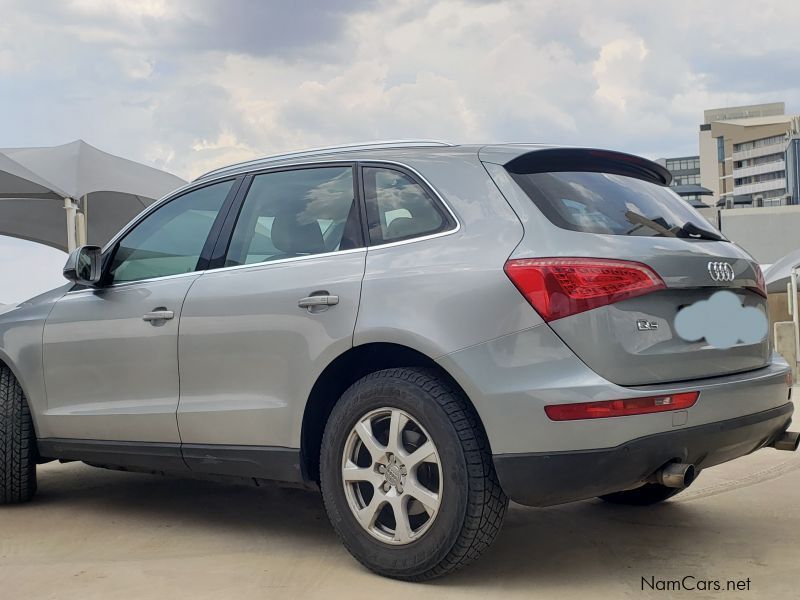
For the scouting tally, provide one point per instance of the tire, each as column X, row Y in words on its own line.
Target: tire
column 649, row 493
column 470, row 505
column 17, row 443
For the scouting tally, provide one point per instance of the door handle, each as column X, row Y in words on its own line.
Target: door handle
column 158, row 315
column 319, row 300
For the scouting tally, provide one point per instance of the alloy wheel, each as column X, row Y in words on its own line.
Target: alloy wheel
column 392, row 476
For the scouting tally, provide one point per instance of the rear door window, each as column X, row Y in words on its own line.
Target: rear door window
column 612, row 204
column 399, row 208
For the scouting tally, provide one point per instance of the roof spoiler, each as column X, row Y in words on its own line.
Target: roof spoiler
column 550, row 160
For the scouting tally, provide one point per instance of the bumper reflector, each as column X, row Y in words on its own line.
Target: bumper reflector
column 620, row 408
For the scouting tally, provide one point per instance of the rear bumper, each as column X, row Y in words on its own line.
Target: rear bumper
column 544, row 479
column 510, row 380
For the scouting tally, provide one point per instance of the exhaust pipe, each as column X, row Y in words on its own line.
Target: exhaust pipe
column 675, row 475
column 788, row 440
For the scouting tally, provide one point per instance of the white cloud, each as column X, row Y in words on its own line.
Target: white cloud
column 187, row 86
column 618, row 70
column 125, row 8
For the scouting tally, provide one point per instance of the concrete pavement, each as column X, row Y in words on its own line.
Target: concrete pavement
column 92, row 533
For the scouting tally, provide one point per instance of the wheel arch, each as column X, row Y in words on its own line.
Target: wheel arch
column 7, row 363
column 339, row 375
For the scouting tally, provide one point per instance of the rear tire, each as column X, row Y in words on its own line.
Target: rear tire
column 17, row 443
column 451, row 503
column 648, row 494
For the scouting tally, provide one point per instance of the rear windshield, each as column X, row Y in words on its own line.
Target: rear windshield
column 613, row 204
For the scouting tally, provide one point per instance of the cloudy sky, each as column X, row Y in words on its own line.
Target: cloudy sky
column 188, row 85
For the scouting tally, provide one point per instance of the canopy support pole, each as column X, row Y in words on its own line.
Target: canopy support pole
column 72, row 221
column 80, row 223
column 80, row 228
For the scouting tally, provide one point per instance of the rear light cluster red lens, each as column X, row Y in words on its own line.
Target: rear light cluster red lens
column 761, row 284
column 559, row 287
column 620, row 408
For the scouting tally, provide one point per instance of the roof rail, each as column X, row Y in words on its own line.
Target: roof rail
column 331, row 150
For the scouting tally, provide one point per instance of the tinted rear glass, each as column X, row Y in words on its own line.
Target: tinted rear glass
column 611, row 204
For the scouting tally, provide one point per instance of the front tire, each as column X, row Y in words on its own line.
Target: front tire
column 405, row 442
column 17, row 443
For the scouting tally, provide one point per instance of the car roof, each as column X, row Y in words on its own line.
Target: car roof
column 382, row 150
column 398, row 150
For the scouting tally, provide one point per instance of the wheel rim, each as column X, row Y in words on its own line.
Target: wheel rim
column 391, row 473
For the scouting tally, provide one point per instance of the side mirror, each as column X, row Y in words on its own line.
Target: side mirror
column 84, row 265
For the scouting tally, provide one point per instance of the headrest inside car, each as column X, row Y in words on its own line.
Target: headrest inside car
column 293, row 237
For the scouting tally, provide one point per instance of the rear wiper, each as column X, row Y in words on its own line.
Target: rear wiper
column 691, row 230
column 642, row 221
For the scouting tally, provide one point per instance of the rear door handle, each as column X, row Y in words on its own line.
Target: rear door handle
column 321, row 300
column 158, row 315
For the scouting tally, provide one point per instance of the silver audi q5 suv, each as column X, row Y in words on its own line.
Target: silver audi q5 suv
column 421, row 330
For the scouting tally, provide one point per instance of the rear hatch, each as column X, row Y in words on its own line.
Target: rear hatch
column 611, row 257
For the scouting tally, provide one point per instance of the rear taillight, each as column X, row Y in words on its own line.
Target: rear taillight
column 761, row 284
column 620, row 408
column 559, row 287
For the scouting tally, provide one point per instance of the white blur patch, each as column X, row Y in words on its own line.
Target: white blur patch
column 722, row 321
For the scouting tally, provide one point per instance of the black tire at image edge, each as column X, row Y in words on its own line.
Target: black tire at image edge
column 17, row 443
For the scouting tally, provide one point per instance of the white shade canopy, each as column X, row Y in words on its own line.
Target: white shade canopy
column 18, row 182
column 35, row 181
column 76, row 169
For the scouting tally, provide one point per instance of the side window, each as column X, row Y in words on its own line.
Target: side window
column 170, row 240
column 296, row 213
column 399, row 208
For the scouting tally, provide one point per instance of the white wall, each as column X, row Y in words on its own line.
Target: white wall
column 710, row 214
column 767, row 233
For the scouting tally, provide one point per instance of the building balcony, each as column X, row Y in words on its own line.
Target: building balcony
column 763, row 151
column 770, row 167
column 761, row 186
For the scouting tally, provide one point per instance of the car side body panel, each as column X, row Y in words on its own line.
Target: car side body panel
column 249, row 355
column 21, row 330
column 110, row 374
column 421, row 293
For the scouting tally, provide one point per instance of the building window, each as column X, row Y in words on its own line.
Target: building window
column 721, row 148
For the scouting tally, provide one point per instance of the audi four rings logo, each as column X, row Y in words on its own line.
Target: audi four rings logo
column 721, row 271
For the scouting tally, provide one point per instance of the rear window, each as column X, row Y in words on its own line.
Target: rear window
column 611, row 204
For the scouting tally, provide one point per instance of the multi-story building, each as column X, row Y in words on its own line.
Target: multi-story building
column 686, row 178
column 743, row 155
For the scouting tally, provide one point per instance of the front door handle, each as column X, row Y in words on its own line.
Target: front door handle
column 158, row 315
column 318, row 300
